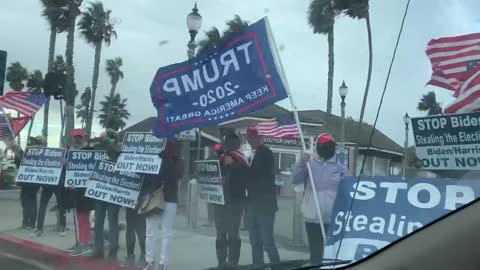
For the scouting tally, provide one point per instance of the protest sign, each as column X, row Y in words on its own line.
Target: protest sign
column 388, row 208
column 292, row 142
column 41, row 165
column 112, row 186
column 237, row 77
column 140, row 153
column 448, row 142
column 210, row 182
column 80, row 165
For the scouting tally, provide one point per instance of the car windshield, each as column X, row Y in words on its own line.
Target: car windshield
column 232, row 134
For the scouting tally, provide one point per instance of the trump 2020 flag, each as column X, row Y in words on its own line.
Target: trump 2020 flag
column 238, row 77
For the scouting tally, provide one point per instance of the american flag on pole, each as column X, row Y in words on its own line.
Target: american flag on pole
column 26, row 103
column 283, row 126
column 468, row 99
column 453, row 60
column 6, row 134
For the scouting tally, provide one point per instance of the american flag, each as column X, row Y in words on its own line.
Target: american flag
column 453, row 60
column 26, row 103
column 468, row 99
column 6, row 135
column 284, row 126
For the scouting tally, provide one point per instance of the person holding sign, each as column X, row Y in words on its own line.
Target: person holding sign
column 108, row 141
column 327, row 174
column 160, row 224
column 82, row 205
column 228, row 216
column 261, row 200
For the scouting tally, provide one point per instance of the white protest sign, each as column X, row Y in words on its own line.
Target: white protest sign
column 41, row 165
column 210, row 181
column 80, row 165
column 140, row 153
column 188, row 135
column 112, row 186
column 448, row 142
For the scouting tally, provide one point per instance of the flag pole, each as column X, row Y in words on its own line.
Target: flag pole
column 297, row 120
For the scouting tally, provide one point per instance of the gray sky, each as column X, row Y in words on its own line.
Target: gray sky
column 144, row 23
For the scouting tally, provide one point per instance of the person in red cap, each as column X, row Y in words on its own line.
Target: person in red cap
column 327, row 174
column 261, row 200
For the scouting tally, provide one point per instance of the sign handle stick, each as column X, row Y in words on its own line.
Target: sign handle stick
column 297, row 120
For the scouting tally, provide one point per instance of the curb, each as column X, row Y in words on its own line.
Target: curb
column 50, row 257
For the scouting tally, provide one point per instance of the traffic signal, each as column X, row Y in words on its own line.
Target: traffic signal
column 3, row 67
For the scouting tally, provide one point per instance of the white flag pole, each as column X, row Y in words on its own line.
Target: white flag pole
column 297, row 120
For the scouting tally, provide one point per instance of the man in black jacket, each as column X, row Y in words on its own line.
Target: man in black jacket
column 262, row 200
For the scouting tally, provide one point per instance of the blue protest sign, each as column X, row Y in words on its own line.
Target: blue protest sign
column 41, row 165
column 80, row 165
column 232, row 80
column 388, row 208
column 112, row 186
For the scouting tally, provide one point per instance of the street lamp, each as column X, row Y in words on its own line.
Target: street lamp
column 406, row 120
column 194, row 23
column 343, row 91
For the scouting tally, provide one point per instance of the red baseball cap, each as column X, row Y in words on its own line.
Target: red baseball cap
column 325, row 138
column 78, row 132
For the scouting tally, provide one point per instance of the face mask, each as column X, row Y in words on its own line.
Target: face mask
column 111, row 140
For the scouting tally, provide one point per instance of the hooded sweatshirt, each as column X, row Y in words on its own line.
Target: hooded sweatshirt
column 326, row 176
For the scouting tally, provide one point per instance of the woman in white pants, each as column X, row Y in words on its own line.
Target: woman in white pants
column 159, row 234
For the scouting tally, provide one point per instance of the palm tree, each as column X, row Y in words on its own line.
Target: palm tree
column 358, row 9
column 119, row 113
column 321, row 17
column 83, row 109
column 73, row 10
column 35, row 83
column 54, row 12
column 113, row 70
column 16, row 77
column 96, row 27
column 428, row 103
column 215, row 38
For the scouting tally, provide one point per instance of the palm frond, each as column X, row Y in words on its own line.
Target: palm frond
column 95, row 25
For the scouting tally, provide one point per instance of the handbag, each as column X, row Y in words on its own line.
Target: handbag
column 153, row 202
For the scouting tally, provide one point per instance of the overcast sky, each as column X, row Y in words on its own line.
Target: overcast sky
column 146, row 23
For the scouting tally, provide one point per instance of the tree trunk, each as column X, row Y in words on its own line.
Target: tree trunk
column 330, row 70
column 96, row 72
column 62, row 125
column 365, row 94
column 70, row 80
column 51, row 53
column 30, row 127
column 110, row 103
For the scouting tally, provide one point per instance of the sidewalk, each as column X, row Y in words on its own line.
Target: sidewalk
column 190, row 249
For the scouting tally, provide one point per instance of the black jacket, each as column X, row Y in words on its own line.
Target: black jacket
column 168, row 176
column 235, row 177
column 261, row 181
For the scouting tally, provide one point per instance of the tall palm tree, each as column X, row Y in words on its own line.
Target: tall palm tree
column 321, row 17
column 73, row 10
column 113, row 70
column 83, row 109
column 35, row 83
column 59, row 66
column 428, row 103
column 215, row 38
column 97, row 28
column 54, row 12
column 119, row 113
column 16, row 78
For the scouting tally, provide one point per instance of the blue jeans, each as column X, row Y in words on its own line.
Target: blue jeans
column 260, row 227
column 101, row 209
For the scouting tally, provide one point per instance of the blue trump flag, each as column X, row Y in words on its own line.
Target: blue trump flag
column 388, row 208
column 238, row 77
